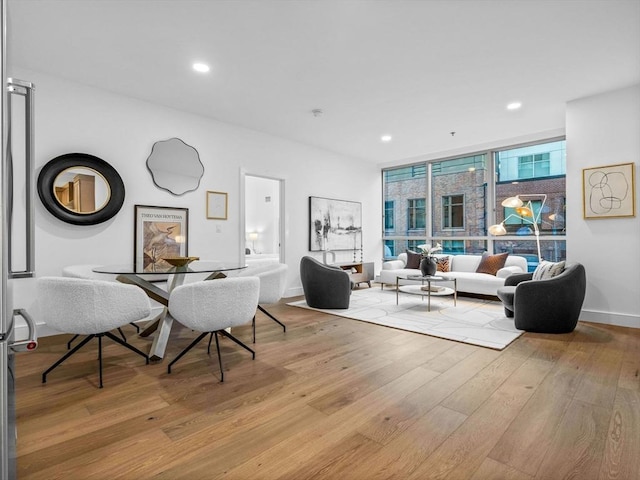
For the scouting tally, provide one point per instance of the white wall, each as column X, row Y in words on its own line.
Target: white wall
column 76, row 118
column 605, row 130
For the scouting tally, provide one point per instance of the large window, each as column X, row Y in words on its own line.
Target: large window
column 540, row 184
column 454, row 201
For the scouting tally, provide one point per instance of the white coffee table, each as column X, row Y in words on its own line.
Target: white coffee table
column 419, row 290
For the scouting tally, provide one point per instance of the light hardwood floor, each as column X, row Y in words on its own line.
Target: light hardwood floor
column 337, row 399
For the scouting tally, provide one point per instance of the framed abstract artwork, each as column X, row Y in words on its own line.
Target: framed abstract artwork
column 216, row 205
column 159, row 232
column 334, row 224
column 609, row 191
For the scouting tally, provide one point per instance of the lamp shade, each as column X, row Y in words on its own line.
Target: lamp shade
column 253, row 236
column 497, row 229
column 512, row 202
column 524, row 211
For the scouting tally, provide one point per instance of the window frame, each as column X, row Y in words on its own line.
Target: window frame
column 447, row 212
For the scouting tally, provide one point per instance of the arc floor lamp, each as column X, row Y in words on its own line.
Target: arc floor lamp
column 525, row 212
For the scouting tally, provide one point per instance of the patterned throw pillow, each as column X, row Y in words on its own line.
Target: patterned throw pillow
column 443, row 264
column 413, row 259
column 546, row 270
column 492, row 263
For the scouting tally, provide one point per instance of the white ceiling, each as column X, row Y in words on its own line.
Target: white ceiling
column 416, row 70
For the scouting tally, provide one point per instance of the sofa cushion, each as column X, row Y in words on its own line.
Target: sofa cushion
column 491, row 263
column 547, row 269
column 479, row 283
column 413, row 259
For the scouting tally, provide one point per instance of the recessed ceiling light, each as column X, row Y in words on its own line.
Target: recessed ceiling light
column 385, row 138
column 514, row 106
column 201, row 67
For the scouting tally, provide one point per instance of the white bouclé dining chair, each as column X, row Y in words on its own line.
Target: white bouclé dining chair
column 212, row 306
column 85, row 270
column 273, row 281
column 89, row 307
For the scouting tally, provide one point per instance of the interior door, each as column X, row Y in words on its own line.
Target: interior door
column 262, row 224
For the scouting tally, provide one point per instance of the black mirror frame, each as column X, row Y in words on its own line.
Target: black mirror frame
column 49, row 173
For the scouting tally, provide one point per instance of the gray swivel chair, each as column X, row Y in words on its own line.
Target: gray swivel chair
column 551, row 305
column 324, row 286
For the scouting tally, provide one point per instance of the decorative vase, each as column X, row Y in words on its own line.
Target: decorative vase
column 428, row 266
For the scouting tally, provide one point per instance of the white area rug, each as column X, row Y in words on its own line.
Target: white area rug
column 474, row 321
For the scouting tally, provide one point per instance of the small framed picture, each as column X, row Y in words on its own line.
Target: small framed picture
column 159, row 232
column 216, row 205
column 609, row 191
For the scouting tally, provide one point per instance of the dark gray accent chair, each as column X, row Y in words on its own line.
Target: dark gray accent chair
column 545, row 306
column 324, row 286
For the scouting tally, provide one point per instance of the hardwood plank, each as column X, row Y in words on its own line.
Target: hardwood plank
column 481, row 386
column 622, row 448
column 462, row 453
column 407, row 450
column 601, row 376
column 630, row 369
column 528, row 438
column 490, row 469
column 347, row 454
column 578, row 446
column 298, row 450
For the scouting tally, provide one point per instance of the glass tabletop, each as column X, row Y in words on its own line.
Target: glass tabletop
column 426, row 277
column 193, row 267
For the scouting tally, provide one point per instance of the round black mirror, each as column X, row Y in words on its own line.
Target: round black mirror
column 81, row 189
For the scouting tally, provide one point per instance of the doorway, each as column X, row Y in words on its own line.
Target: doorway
column 262, row 220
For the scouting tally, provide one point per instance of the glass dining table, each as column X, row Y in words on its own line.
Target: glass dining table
column 149, row 280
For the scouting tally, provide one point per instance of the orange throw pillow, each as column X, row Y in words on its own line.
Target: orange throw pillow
column 443, row 264
column 492, row 263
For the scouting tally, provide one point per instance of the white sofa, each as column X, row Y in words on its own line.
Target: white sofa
column 463, row 268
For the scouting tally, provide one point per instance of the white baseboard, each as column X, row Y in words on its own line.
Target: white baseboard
column 611, row 318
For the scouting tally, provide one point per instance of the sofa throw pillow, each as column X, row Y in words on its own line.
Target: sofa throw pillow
column 492, row 263
column 443, row 264
column 413, row 259
column 547, row 269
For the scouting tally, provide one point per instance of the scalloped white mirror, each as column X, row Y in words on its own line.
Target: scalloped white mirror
column 175, row 166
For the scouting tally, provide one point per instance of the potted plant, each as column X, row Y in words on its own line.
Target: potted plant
column 428, row 264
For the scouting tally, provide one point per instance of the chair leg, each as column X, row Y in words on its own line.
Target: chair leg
column 219, row 357
column 100, row 357
column 119, row 330
column 122, row 334
column 272, row 317
column 66, row 355
column 227, row 334
column 193, row 344
column 71, row 341
column 127, row 345
column 209, row 346
column 135, row 326
column 253, row 327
